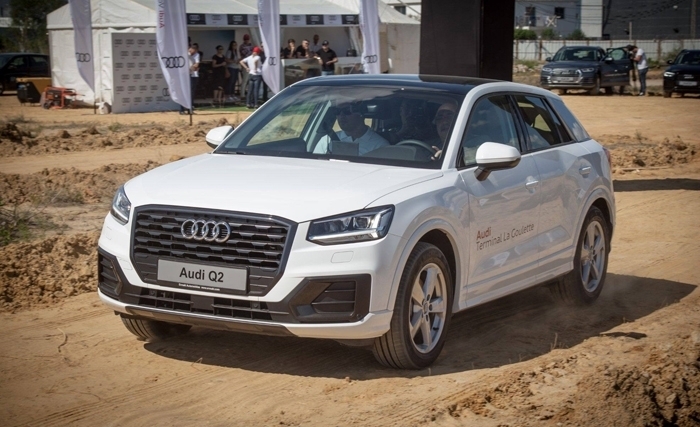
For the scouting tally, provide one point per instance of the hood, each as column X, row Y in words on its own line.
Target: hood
column 682, row 68
column 296, row 189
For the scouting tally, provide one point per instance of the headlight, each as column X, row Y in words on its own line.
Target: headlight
column 587, row 70
column 121, row 206
column 368, row 224
column 547, row 70
column 669, row 74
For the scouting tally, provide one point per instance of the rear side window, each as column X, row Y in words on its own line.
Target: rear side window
column 491, row 120
column 578, row 132
column 539, row 123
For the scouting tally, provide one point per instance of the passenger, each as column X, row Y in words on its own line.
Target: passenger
column 354, row 130
column 444, row 118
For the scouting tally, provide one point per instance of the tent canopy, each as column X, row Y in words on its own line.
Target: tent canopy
column 141, row 13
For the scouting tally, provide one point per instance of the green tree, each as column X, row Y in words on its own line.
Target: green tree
column 549, row 34
column 521, row 34
column 29, row 24
column 576, row 35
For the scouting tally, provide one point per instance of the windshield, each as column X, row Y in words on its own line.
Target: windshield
column 391, row 125
column 4, row 59
column 688, row 58
column 576, row 54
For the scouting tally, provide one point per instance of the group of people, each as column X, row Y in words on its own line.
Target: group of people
column 244, row 64
column 322, row 52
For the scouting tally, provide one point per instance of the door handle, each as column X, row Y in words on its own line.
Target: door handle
column 585, row 170
column 531, row 184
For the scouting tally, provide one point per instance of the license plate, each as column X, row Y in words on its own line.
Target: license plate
column 681, row 83
column 202, row 277
column 565, row 79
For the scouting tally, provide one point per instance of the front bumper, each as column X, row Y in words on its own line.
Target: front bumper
column 578, row 82
column 336, row 292
column 679, row 85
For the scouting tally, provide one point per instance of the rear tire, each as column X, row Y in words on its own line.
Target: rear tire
column 421, row 313
column 667, row 94
column 153, row 330
column 584, row 283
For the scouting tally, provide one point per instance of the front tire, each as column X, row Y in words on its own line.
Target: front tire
column 153, row 330
column 584, row 283
column 667, row 93
column 596, row 88
column 421, row 313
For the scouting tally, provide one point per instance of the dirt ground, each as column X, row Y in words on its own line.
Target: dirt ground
column 631, row 359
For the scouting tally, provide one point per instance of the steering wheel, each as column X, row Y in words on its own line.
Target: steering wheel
column 417, row 143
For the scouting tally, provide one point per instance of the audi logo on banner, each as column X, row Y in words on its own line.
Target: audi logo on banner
column 209, row 231
column 371, row 59
column 272, row 61
column 82, row 57
column 173, row 61
column 166, row 92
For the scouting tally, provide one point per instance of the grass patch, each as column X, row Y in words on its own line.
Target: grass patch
column 18, row 223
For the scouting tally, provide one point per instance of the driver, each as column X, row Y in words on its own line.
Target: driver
column 354, row 130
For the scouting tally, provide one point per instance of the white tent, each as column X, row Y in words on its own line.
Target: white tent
column 399, row 35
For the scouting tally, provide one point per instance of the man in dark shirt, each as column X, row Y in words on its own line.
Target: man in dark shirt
column 303, row 50
column 328, row 58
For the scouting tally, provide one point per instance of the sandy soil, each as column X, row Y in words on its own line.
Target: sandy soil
column 632, row 359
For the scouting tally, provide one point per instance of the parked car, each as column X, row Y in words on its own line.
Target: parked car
column 306, row 221
column 587, row 67
column 683, row 75
column 16, row 65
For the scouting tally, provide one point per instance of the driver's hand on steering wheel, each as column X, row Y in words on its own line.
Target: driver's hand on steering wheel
column 438, row 153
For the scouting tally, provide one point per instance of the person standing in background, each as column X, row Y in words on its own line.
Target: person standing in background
column 253, row 67
column 640, row 57
column 327, row 58
column 232, row 60
column 193, row 58
column 316, row 46
column 218, row 64
column 244, row 50
column 289, row 52
column 303, row 51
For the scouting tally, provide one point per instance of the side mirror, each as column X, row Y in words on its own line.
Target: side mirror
column 670, row 62
column 217, row 135
column 492, row 156
column 548, row 59
column 608, row 59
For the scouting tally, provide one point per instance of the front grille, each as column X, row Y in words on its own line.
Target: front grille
column 185, row 303
column 564, row 72
column 257, row 243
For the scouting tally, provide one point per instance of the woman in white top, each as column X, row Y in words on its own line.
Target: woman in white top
column 253, row 65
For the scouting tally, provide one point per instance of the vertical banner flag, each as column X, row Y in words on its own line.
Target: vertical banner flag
column 269, row 22
column 171, row 44
column 369, row 25
column 82, row 30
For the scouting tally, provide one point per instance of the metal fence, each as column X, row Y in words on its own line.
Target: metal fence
column 656, row 50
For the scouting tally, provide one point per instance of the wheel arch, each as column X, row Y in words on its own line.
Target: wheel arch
column 440, row 234
column 604, row 207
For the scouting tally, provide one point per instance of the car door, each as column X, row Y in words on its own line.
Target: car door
column 564, row 174
column 17, row 67
column 607, row 69
column 503, row 208
column 619, row 65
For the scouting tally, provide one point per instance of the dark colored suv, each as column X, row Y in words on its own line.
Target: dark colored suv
column 17, row 65
column 586, row 67
column 683, row 75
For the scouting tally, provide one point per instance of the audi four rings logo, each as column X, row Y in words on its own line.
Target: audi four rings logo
column 82, row 57
column 166, row 92
column 173, row 61
column 371, row 59
column 209, row 231
column 272, row 61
